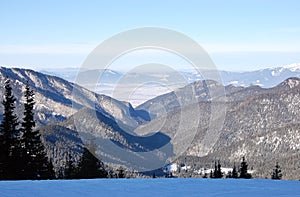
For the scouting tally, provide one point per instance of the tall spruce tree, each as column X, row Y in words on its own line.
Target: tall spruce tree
column 244, row 170
column 10, row 146
column 234, row 173
column 277, row 175
column 211, row 174
column 37, row 165
column 90, row 166
column 217, row 171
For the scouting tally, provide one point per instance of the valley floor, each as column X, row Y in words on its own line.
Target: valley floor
column 150, row 187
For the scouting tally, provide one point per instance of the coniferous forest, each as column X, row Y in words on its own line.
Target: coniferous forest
column 23, row 154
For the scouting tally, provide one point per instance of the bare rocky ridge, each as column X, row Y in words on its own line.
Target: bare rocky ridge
column 56, row 101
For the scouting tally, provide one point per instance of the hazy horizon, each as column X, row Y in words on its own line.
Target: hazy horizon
column 49, row 68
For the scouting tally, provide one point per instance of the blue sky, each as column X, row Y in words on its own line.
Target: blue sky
column 238, row 35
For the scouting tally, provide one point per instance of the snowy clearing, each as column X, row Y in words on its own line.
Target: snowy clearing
column 150, row 187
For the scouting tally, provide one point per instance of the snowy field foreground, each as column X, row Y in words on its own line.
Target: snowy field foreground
column 150, row 187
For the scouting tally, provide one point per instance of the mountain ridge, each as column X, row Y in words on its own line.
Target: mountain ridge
column 265, row 78
column 261, row 123
column 57, row 99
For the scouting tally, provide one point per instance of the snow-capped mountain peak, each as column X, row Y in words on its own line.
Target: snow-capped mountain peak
column 293, row 67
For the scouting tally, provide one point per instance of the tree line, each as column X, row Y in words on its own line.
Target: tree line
column 235, row 173
column 242, row 172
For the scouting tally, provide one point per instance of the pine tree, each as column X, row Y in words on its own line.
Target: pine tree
column 36, row 162
column 215, row 171
column 154, row 175
column 90, row 167
column 277, row 175
column 218, row 171
column 71, row 171
column 244, row 170
column 211, row 174
column 234, row 173
column 10, row 147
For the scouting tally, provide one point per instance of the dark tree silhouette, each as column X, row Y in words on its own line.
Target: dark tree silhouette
column 234, row 173
column 215, row 170
column 37, row 165
column 71, row 172
column 244, row 170
column 154, row 175
column 218, row 171
column 211, row 174
column 10, row 141
column 90, row 166
column 277, row 175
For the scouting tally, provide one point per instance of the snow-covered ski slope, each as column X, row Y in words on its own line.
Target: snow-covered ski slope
column 150, row 187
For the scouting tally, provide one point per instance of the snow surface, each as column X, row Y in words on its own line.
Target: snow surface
column 150, row 187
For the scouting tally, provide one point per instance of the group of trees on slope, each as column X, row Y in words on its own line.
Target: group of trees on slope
column 22, row 153
column 242, row 172
column 235, row 173
column 88, row 167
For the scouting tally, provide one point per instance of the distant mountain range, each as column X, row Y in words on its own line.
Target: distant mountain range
column 260, row 123
column 265, row 78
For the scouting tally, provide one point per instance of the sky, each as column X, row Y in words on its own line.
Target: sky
column 238, row 35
